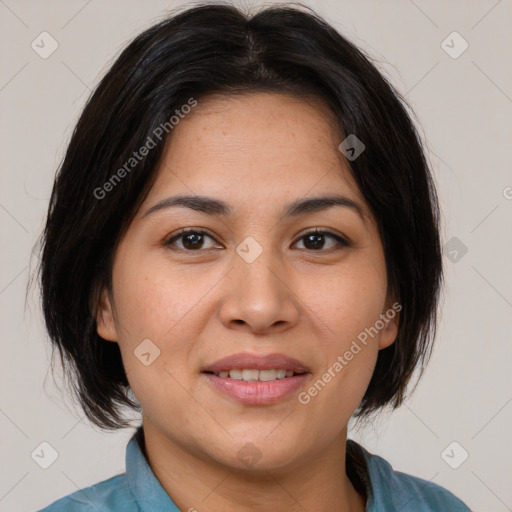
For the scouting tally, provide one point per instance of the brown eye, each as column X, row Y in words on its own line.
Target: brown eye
column 315, row 240
column 191, row 240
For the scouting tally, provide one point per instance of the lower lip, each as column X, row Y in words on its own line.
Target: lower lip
column 257, row 392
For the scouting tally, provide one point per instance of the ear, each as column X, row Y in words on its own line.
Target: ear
column 391, row 317
column 106, row 326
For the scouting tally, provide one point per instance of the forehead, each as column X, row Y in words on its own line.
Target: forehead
column 259, row 148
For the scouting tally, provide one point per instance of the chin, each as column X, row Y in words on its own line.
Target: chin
column 257, row 454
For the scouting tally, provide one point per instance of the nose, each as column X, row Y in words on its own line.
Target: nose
column 258, row 297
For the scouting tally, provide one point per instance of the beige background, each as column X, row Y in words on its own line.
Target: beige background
column 464, row 106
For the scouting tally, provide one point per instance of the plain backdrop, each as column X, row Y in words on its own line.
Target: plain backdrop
column 463, row 103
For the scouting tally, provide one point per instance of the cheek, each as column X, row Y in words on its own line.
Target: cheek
column 154, row 299
column 159, row 302
column 334, row 396
column 347, row 300
column 350, row 308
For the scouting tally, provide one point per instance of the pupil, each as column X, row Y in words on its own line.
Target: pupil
column 196, row 240
column 316, row 244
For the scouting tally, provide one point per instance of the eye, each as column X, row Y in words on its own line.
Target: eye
column 316, row 239
column 192, row 239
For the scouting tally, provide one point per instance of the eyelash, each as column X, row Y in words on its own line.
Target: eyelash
column 185, row 231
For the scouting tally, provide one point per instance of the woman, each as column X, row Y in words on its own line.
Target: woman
column 242, row 244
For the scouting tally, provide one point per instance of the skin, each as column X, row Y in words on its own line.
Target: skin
column 257, row 152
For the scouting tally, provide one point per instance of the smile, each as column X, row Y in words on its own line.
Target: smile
column 256, row 379
column 255, row 375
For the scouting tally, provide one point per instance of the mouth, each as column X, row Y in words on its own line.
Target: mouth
column 257, row 380
column 253, row 375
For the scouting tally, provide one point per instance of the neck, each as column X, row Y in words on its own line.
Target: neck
column 316, row 484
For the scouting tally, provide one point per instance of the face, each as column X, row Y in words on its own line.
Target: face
column 254, row 282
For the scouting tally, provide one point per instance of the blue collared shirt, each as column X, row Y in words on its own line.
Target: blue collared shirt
column 138, row 490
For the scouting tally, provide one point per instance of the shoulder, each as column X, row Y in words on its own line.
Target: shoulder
column 395, row 490
column 108, row 496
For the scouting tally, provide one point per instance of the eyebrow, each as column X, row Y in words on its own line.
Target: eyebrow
column 212, row 206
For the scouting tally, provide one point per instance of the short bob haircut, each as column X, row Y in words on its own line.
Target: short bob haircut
column 217, row 49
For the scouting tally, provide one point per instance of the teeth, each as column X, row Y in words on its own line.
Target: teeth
column 250, row 374
column 254, row 375
column 235, row 374
column 268, row 375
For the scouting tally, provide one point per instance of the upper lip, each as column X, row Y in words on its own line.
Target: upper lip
column 245, row 360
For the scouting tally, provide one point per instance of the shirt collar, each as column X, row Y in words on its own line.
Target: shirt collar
column 149, row 494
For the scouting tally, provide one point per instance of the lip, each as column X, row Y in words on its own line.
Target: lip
column 246, row 360
column 257, row 392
